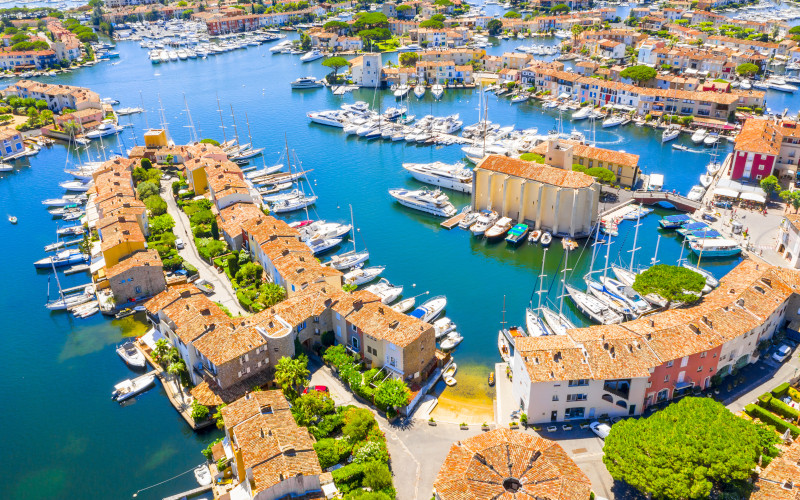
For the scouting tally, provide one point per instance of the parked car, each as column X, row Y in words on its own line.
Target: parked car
column 318, row 388
column 602, row 430
column 782, row 353
column 179, row 244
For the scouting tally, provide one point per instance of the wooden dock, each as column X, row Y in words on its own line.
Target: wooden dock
column 453, row 221
column 190, row 493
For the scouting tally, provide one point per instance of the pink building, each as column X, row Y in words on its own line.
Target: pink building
column 678, row 376
column 756, row 150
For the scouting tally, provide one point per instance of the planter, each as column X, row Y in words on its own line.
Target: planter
column 464, row 427
column 431, row 423
column 513, row 426
column 484, row 427
column 552, row 428
column 567, row 427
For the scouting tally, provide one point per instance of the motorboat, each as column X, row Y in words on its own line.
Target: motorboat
column 519, row 98
column 674, row 221
column 64, row 201
column 613, row 121
column 499, row 229
column 745, row 85
column 450, row 341
column 131, row 387
column 293, row 204
column 5, row 167
column 595, row 309
column 485, row 220
column 699, row 135
column 320, row 245
column 711, row 281
column 202, row 475
column 311, row 55
column 517, row 234
column 670, row 133
column 711, row 139
column 449, row 374
column 131, row 355
column 385, row 291
column 76, row 186
column 546, row 239
column 12, row 219
column 468, row 220
column 637, row 213
column 348, row 260
column 706, row 179
column 713, row 167
column 61, row 259
column 534, row 236
column 443, row 326
column 322, row 229
column 404, row 305
column 106, row 127
column 716, row 247
column 437, row 91
column 363, row 275
column 444, row 175
column 424, row 200
column 331, row 118
column 306, row 82
column 419, row 91
column 86, row 310
column 506, row 340
column 780, row 84
column 696, row 193
column 430, row 309
column 582, row 113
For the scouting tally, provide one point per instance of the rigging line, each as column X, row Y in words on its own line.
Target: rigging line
column 583, row 248
column 162, row 482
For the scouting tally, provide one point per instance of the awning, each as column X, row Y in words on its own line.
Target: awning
column 97, row 265
column 564, row 95
column 753, row 197
column 683, row 385
column 729, row 193
column 151, row 337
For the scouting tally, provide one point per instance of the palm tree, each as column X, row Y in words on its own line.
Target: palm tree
column 161, row 349
column 291, row 373
column 272, row 294
column 175, row 369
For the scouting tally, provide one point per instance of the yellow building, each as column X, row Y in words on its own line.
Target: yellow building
column 120, row 237
column 553, row 199
column 566, row 153
column 156, row 138
column 196, row 175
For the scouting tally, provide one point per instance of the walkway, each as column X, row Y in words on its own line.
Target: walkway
column 761, row 377
column 678, row 201
column 223, row 291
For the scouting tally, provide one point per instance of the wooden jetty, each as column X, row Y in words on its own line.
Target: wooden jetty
column 453, row 221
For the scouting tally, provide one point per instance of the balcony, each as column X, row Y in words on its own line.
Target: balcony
column 204, row 370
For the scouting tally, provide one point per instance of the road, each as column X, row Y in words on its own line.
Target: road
column 223, row 291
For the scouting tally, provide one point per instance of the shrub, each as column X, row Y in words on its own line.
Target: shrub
column 532, row 157
column 332, row 451
column 779, row 407
column 771, row 419
column 348, row 477
column 329, row 425
column 377, row 476
column 199, row 412
column 781, row 390
column 371, row 451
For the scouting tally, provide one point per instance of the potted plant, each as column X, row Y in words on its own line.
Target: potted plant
column 523, row 419
column 513, row 425
column 432, row 422
column 463, row 426
column 567, row 427
column 484, row 426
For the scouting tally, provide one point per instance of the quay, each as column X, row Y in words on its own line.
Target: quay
column 190, row 493
column 179, row 400
column 453, row 221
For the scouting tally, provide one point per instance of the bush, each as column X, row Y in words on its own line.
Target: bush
column 327, row 338
column 377, row 476
column 771, row 419
column 199, row 412
column 329, row 425
column 371, row 451
column 777, row 406
column 190, row 269
column 532, row 157
column 332, row 451
column 348, row 477
column 781, row 390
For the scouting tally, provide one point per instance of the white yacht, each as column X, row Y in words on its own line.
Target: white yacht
column 312, row 55
column 385, row 291
column 332, row 118
column 613, row 121
column 454, row 177
column 106, row 127
column 437, row 91
column 306, row 82
column 319, row 245
column 131, row 387
column 485, row 220
column 432, row 202
column 670, row 133
column 293, row 204
column 699, row 135
column 363, row 275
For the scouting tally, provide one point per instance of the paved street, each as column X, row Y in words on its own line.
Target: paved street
column 761, row 377
column 223, row 291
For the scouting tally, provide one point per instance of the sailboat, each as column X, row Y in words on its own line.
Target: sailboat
column 506, row 337
column 64, row 302
column 556, row 321
column 533, row 322
column 294, row 203
column 352, row 258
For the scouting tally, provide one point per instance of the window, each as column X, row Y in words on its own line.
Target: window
column 700, row 368
column 621, row 387
column 316, row 319
column 703, row 354
column 353, row 327
column 555, row 397
column 578, row 382
column 577, row 412
column 576, row 397
column 669, row 363
column 666, row 378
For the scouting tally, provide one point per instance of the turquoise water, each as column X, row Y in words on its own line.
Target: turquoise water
column 67, row 439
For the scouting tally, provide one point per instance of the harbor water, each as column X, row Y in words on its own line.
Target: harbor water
column 67, row 439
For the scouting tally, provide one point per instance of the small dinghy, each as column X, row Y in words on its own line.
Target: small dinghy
column 131, row 355
column 449, row 375
column 131, row 387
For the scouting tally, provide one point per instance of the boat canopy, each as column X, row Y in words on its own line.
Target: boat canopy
column 417, row 313
column 677, row 218
column 707, row 233
column 693, row 226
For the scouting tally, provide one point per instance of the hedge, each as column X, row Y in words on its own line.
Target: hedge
column 768, row 418
column 243, row 300
column 348, row 477
column 781, row 390
column 782, row 409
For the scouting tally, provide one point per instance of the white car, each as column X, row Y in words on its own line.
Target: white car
column 179, row 244
column 602, row 430
column 782, row 353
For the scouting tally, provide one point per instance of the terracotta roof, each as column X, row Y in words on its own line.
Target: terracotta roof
column 759, row 136
column 507, row 464
column 780, row 480
column 536, row 172
column 148, row 258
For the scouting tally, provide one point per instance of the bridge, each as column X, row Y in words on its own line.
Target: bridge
column 680, row 202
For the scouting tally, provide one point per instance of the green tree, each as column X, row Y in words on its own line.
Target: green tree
column 199, row 412
column 495, row 26
column 674, row 283
column 335, row 63
column 409, row 59
column 770, row 185
column 392, row 393
column 218, row 416
column 369, row 20
column 532, row 157
column 272, row 293
column 249, row 273
column 309, row 408
column 146, row 163
column 602, row 174
column 337, row 356
column 560, row 8
column 176, row 368
column 747, row 69
column 203, row 141
column 694, row 448
column 156, row 205
column 291, row 373
column 161, row 349
column 377, row 476
column 431, row 23
column 638, row 73
column 147, row 189
column 214, row 229
column 511, row 14
column 336, row 26
column 161, row 224
column 357, row 423
column 792, row 198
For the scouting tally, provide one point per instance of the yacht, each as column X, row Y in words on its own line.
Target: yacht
column 557, row 323
column 348, row 260
column 499, row 229
column 717, row 247
column 699, row 135
column 696, row 193
column 293, row 204
column 454, row 177
column 106, row 127
column 670, row 133
column 430, row 309
column 385, row 291
column 485, row 220
column 582, row 113
column 312, row 55
column 319, row 245
column 613, row 121
column 306, row 82
column 781, row 85
column 432, row 202
column 711, row 139
column 76, row 186
column 443, row 326
column 330, row 118
column 131, row 355
column 61, row 259
column 363, row 275
column 401, row 90
column 131, row 387
column 437, row 91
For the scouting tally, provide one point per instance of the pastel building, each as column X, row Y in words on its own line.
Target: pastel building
column 756, row 150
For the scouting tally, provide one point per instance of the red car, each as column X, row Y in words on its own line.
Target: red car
column 318, row 388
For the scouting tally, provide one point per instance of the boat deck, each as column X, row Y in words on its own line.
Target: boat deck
column 619, row 212
column 453, row 221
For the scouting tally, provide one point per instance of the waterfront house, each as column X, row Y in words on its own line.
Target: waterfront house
column 120, row 236
column 788, row 241
column 57, row 97
column 137, row 276
column 567, row 153
column 540, row 468
column 558, row 200
column 756, row 150
column 619, row 370
column 272, row 457
column 232, row 218
column 11, row 142
column 365, row 70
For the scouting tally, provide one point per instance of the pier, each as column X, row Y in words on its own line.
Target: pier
column 190, row 493
column 680, row 202
column 453, row 221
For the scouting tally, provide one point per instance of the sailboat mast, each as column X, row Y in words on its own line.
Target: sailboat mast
column 192, row 132
column 605, row 269
column 221, row 122
column 249, row 134
column 235, row 131
column 632, row 251
column 353, row 228
column 563, row 283
column 542, row 276
column 655, row 254
column 141, row 99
